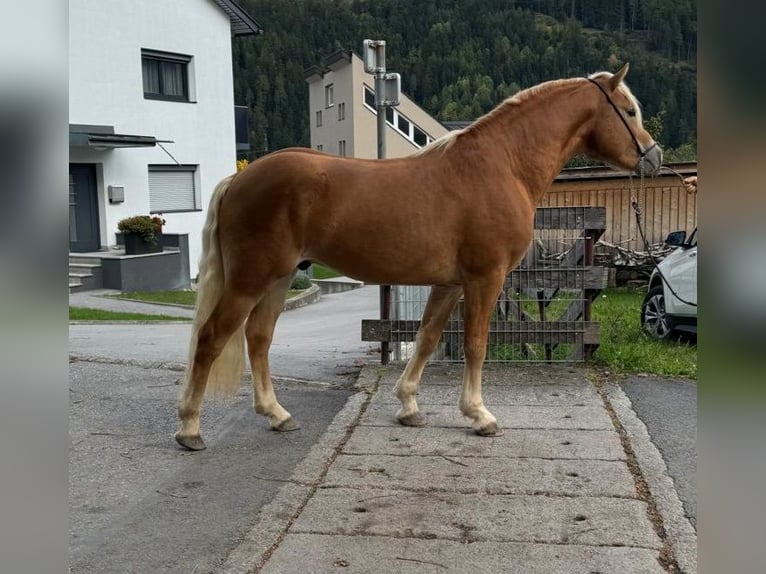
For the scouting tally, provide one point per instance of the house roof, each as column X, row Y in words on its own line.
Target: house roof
column 602, row 172
column 242, row 24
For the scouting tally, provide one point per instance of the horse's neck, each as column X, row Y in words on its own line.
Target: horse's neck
column 537, row 136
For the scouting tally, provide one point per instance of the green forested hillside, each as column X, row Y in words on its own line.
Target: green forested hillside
column 460, row 58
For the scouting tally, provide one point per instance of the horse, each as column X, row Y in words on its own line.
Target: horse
column 460, row 216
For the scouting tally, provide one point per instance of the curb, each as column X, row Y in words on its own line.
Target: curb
column 273, row 520
column 679, row 530
column 309, row 296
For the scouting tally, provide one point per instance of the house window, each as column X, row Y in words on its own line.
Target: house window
column 173, row 188
column 329, row 95
column 165, row 75
column 342, row 148
column 319, row 118
column 341, row 112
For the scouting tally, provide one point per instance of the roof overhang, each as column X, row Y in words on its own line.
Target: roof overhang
column 103, row 137
column 313, row 74
column 337, row 60
column 242, row 24
column 331, row 63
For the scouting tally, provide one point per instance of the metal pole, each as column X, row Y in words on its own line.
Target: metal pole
column 380, row 106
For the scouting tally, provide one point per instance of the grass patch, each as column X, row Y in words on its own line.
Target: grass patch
column 626, row 348
column 175, row 297
column 322, row 272
column 85, row 314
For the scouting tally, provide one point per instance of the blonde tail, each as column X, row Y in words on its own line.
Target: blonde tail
column 226, row 372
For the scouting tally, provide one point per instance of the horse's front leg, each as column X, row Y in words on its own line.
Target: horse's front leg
column 440, row 303
column 480, row 297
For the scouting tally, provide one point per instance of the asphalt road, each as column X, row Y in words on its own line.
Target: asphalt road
column 140, row 504
column 320, row 342
column 668, row 408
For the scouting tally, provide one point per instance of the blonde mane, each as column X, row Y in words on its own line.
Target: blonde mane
column 444, row 142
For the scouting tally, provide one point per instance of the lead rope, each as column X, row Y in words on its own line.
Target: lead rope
column 637, row 210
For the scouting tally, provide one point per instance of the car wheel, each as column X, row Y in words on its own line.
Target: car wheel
column 653, row 318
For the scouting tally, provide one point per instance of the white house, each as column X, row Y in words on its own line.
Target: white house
column 151, row 114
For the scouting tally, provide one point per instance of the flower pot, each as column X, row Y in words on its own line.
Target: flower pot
column 135, row 244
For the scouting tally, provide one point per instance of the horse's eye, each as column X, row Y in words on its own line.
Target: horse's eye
column 632, row 113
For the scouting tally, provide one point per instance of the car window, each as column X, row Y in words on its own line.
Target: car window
column 692, row 241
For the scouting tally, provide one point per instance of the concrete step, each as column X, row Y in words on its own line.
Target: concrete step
column 84, row 273
column 88, row 259
column 80, row 268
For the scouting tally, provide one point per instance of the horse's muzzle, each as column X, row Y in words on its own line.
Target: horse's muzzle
column 650, row 161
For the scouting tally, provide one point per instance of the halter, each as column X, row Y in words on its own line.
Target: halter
column 641, row 151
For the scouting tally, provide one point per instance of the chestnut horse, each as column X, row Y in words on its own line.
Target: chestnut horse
column 459, row 217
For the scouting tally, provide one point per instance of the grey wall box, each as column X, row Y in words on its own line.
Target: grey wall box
column 116, row 193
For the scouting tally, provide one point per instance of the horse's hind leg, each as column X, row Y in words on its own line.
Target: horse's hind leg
column 480, row 298
column 440, row 303
column 227, row 316
column 259, row 331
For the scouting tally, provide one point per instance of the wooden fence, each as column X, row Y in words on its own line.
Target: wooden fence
column 665, row 204
column 543, row 313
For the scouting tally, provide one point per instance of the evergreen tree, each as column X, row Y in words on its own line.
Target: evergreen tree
column 460, row 58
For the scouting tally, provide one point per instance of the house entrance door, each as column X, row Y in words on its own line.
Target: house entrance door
column 83, row 208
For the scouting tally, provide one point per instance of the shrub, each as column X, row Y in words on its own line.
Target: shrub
column 300, row 282
column 144, row 225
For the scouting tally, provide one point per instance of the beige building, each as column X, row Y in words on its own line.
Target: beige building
column 343, row 115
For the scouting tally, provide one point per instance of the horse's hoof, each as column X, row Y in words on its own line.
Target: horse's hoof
column 492, row 429
column 191, row 442
column 287, row 425
column 412, row 420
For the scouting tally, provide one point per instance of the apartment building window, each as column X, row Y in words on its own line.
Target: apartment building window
column 329, row 95
column 404, row 125
column 341, row 111
column 173, row 188
column 399, row 122
column 319, row 118
column 342, row 148
column 369, row 98
column 165, row 75
column 419, row 136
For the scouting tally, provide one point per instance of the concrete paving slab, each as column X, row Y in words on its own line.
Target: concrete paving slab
column 478, row 517
column 525, row 443
column 581, row 394
column 319, row 554
column 517, row 417
column 483, row 475
column 508, row 375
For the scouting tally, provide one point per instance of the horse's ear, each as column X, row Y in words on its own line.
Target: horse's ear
column 615, row 80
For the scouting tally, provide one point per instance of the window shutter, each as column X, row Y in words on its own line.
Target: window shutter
column 171, row 190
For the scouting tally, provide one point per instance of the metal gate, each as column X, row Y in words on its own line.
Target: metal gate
column 544, row 311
